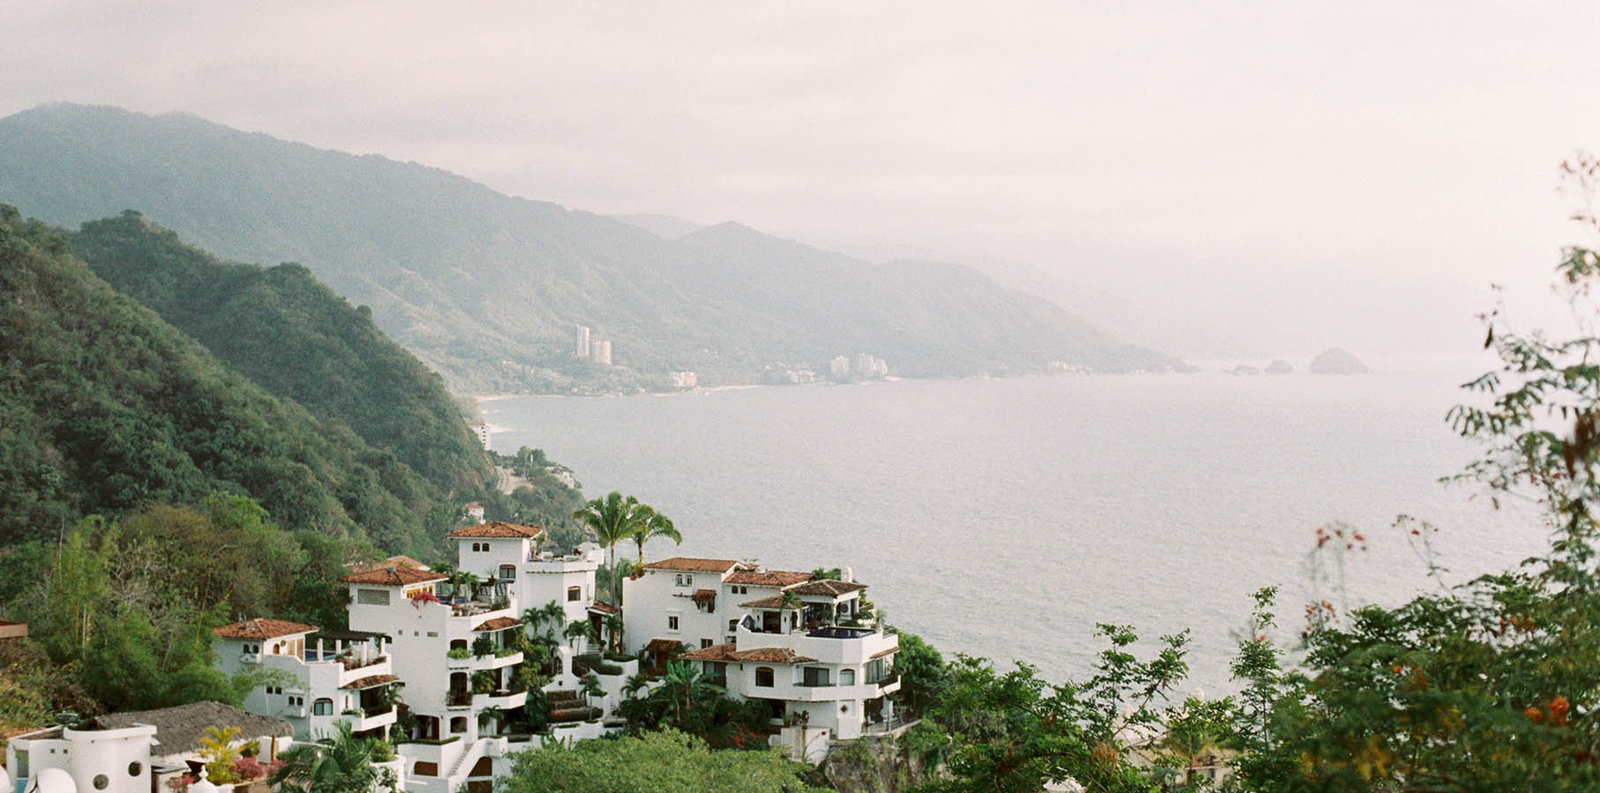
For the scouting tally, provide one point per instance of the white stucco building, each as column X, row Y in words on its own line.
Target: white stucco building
column 323, row 677
column 804, row 646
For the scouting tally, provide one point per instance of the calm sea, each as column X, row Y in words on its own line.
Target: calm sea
column 1004, row 518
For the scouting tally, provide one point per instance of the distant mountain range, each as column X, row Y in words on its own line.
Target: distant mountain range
column 488, row 288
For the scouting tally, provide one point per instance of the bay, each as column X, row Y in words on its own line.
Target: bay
column 1006, row 517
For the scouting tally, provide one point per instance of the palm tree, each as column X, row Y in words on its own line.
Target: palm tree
column 606, row 576
column 613, row 623
column 680, row 686
column 340, row 764
column 554, row 616
column 578, row 629
column 654, row 524
column 612, row 519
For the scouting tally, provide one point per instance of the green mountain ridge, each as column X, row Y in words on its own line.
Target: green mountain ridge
column 487, row 288
column 106, row 407
column 293, row 336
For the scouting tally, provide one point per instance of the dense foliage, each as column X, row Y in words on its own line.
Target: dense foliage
column 663, row 762
column 120, row 612
column 294, row 337
column 487, row 288
column 104, row 407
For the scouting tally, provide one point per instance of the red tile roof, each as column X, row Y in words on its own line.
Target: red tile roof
column 777, row 578
column 393, row 576
column 497, row 624
column 693, row 565
column 704, row 596
column 662, row 646
column 515, row 531
column 604, row 608
column 827, row 588
column 393, row 561
column 770, row 655
column 369, row 682
column 716, row 652
column 775, row 602
column 262, row 629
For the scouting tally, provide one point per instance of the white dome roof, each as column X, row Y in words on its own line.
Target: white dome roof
column 204, row 785
column 54, row 780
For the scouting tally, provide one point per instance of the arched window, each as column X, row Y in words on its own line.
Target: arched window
column 847, row 677
column 764, row 676
column 322, row 707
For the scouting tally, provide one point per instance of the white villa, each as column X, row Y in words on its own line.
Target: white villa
column 802, row 645
column 449, row 652
column 325, row 677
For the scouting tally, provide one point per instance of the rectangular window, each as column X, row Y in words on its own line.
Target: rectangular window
column 733, row 625
column 704, row 643
column 574, row 594
column 372, row 597
column 672, row 622
column 816, row 676
column 507, row 572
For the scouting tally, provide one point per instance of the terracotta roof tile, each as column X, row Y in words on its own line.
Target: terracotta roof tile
column 262, row 629
column 497, row 624
column 770, row 655
column 693, row 565
column 827, row 588
column 775, row 602
column 663, row 646
column 393, row 561
column 393, row 576
column 704, row 596
column 604, row 608
column 777, row 578
column 716, row 652
column 514, row 531
column 369, row 682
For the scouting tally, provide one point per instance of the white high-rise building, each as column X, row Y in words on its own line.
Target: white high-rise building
column 580, row 347
column 600, row 352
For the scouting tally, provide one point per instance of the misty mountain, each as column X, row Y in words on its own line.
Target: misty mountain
column 105, row 407
column 666, row 227
column 487, row 288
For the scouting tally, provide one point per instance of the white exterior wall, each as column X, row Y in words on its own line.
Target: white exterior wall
column 544, row 580
column 420, row 643
column 84, row 755
column 486, row 564
column 840, row 708
column 650, row 599
column 305, row 681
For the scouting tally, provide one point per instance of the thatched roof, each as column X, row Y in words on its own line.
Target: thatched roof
column 179, row 728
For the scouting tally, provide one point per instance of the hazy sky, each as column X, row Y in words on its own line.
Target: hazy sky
column 1213, row 178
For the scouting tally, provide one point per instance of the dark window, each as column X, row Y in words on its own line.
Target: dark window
column 101, row 782
column 764, row 676
column 704, row 643
column 322, row 707
column 458, row 724
column 672, row 622
column 574, row 594
column 135, row 769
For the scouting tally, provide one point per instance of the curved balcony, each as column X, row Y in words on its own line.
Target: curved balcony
column 371, row 719
column 504, row 700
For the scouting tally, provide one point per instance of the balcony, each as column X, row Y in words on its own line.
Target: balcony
column 504, row 700
column 371, row 718
column 483, row 663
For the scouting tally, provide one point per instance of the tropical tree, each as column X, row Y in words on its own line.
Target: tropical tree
column 613, row 518
column 578, row 629
column 681, row 687
column 341, row 763
column 589, row 686
column 654, row 524
column 613, row 624
column 219, row 753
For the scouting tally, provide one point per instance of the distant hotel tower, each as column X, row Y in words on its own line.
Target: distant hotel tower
column 580, row 347
column 600, row 351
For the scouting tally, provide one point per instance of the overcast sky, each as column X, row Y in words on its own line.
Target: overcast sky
column 1217, row 179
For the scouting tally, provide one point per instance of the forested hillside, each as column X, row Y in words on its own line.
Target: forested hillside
column 487, row 288
column 294, row 337
column 104, row 407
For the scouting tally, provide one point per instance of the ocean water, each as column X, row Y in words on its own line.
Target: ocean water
column 1004, row 518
